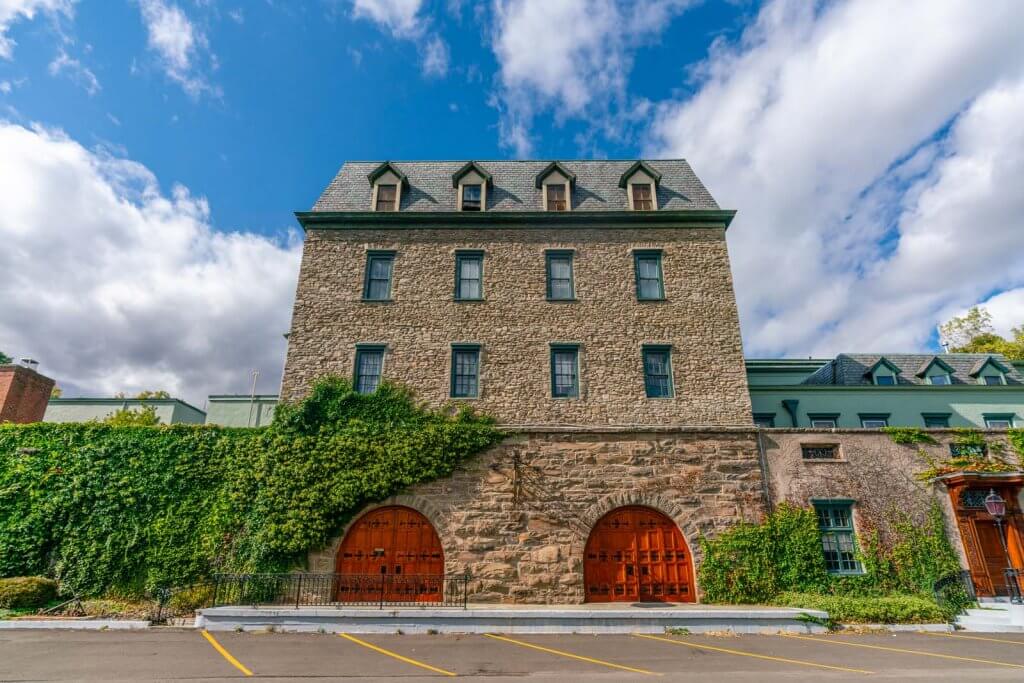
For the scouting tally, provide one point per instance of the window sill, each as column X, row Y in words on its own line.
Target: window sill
column 377, row 301
column 463, row 398
column 564, row 398
column 650, row 301
column 659, row 398
column 830, row 461
column 468, row 301
column 561, row 301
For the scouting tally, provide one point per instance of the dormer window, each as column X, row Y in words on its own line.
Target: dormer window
column 387, row 182
column 471, row 183
column 990, row 372
column 641, row 184
column 555, row 183
column 643, row 198
column 387, row 197
column 471, row 198
column 883, row 373
column 556, row 197
column 936, row 371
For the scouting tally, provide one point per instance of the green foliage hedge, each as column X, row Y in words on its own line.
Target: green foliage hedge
column 757, row 563
column 125, row 509
column 26, row 591
column 887, row 609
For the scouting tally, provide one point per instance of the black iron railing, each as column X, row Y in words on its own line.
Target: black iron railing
column 327, row 590
column 955, row 588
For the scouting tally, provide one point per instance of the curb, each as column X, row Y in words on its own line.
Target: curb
column 900, row 628
column 74, row 625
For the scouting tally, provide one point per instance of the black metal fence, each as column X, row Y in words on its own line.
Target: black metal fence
column 955, row 588
column 363, row 590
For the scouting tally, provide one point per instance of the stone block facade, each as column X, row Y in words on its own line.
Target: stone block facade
column 24, row 394
column 515, row 323
column 517, row 517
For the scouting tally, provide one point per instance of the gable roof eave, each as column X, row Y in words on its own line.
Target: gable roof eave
column 639, row 166
column 934, row 360
column 376, row 173
column 471, row 166
column 988, row 360
column 551, row 168
column 882, row 360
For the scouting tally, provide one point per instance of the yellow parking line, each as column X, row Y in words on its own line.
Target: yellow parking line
column 908, row 652
column 397, row 656
column 957, row 635
column 225, row 654
column 572, row 656
column 752, row 654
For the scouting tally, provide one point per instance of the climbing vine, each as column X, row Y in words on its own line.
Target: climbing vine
column 909, row 435
column 107, row 508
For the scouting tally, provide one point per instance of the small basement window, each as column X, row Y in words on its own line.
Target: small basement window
column 819, row 451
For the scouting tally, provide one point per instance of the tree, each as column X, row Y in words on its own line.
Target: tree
column 973, row 333
column 125, row 417
column 56, row 392
column 143, row 395
column 5, row 359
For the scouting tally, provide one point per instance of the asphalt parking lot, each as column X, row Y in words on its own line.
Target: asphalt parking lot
column 175, row 655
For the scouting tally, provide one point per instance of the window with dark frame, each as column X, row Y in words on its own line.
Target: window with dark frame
column 936, row 421
column 874, row 422
column 471, row 197
column 557, row 198
column 766, row 420
column 565, row 372
column 469, row 274
column 650, row 284
column 386, row 195
column 658, row 371
column 465, row 371
column 379, row 267
column 823, row 421
column 992, row 380
column 835, row 522
column 967, row 450
column 369, row 365
column 999, row 422
column 940, row 380
column 559, row 271
column 819, row 451
column 643, row 199
column 885, row 380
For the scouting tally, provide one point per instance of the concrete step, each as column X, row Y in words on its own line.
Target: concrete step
column 492, row 619
column 989, row 627
column 988, row 613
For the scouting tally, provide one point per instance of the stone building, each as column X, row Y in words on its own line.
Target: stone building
column 23, row 393
column 588, row 306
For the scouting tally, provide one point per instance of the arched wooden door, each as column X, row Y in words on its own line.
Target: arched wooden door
column 637, row 554
column 391, row 554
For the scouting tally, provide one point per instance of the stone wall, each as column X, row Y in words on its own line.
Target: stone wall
column 877, row 474
column 24, row 394
column 518, row 516
column 515, row 323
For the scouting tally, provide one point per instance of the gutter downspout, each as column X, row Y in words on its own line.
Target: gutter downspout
column 763, row 457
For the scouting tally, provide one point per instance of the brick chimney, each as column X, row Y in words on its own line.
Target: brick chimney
column 24, row 394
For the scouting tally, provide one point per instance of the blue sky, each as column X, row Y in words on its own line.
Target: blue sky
column 153, row 152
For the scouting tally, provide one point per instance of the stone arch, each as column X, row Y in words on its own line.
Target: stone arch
column 663, row 502
column 323, row 560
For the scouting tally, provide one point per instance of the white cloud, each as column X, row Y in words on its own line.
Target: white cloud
column 435, row 57
column 75, row 70
column 131, row 288
column 862, row 220
column 178, row 44
column 572, row 57
column 14, row 10
column 401, row 17
column 1007, row 310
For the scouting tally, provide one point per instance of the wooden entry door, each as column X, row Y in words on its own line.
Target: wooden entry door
column 637, row 554
column 391, row 554
column 993, row 557
column 980, row 535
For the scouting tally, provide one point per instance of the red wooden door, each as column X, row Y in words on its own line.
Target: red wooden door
column 637, row 554
column 391, row 553
column 992, row 553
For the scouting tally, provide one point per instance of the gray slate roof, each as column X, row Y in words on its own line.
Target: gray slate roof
column 597, row 186
column 848, row 368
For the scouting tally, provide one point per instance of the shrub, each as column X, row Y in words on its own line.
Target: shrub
column 127, row 509
column 27, row 591
column 885, row 609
